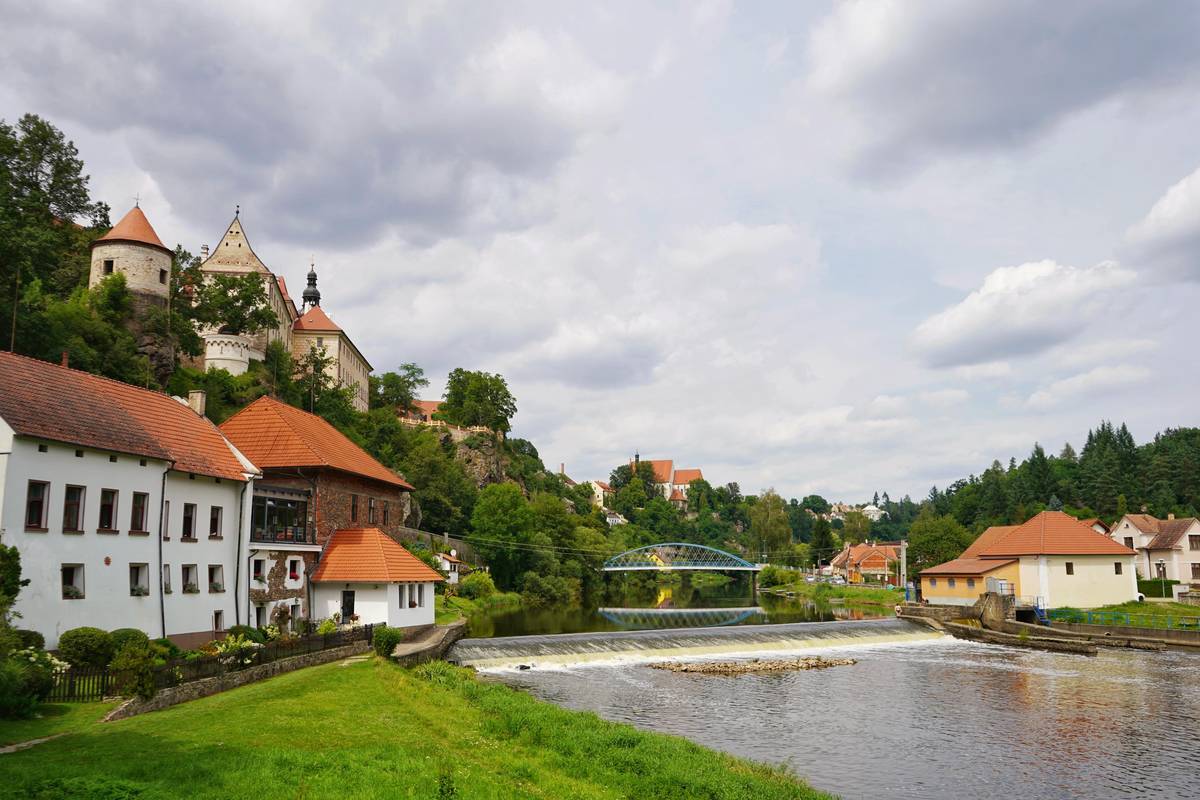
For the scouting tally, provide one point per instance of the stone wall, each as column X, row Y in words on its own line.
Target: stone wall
column 330, row 509
column 1175, row 637
column 210, row 686
column 140, row 264
column 939, row 613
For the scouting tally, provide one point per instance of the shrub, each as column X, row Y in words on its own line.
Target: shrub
column 123, row 636
column 169, row 649
column 772, row 575
column 548, row 590
column 86, row 647
column 31, row 640
column 247, row 632
column 132, row 670
column 327, row 626
column 477, row 586
column 16, row 701
column 237, row 650
column 1157, row 587
column 385, row 640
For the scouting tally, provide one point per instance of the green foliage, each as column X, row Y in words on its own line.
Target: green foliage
column 17, row 700
column 398, row 390
column 934, row 540
column 770, row 530
column 321, row 394
column 235, row 304
column 132, row 670
column 502, row 523
column 327, row 626
column 548, row 590
column 478, row 398
column 822, row 547
column 385, row 639
column 772, row 575
column 477, row 586
column 1157, row 587
column 31, row 640
column 86, row 647
column 247, row 632
column 123, row 636
column 168, row 647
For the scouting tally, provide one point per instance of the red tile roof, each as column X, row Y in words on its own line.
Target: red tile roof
column 48, row 401
column 368, row 555
column 315, row 319
column 604, row 487
column 1167, row 532
column 662, row 469
column 988, row 538
column 1054, row 533
column 133, row 227
column 685, row 476
column 677, row 496
column 274, row 434
column 968, row 566
column 861, row 552
column 428, row 407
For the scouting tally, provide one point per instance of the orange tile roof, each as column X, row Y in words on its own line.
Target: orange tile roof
column 428, row 407
column 368, row 555
column 604, row 487
column 315, row 319
column 685, row 476
column 968, row 566
column 279, row 435
column 52, row 402
column 662, row 469
column 860, row 552
column 677, row 496
column 1167, row 532
column 1054, row 533
column 987, row 539
column 133, row 227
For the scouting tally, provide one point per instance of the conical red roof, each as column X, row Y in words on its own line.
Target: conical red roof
column 315, row 319
column 133, row 227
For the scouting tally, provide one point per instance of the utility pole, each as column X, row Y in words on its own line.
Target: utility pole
column 904, row 566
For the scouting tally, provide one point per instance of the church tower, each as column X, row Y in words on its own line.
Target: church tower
column 133, row 249
column 312, row 295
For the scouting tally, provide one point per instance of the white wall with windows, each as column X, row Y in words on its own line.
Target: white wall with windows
column 400, row 605
column 86, row 523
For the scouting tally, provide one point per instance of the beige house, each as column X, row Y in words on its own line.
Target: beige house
column 1167, row 548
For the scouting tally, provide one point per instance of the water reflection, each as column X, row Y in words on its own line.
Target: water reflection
column 940, row 721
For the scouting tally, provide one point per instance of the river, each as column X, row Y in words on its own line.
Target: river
column 934, row 719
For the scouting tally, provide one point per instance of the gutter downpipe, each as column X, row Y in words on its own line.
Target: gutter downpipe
column 162, row 502
column 237, row 571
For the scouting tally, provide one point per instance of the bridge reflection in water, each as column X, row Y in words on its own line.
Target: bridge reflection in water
column 648, row 619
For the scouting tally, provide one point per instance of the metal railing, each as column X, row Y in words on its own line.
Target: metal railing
column 1157, row 621
column 287, row 534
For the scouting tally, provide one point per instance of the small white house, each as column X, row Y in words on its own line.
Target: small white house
column 452, row 565
column 367, row 574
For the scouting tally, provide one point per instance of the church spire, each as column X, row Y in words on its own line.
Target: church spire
column 312, row 295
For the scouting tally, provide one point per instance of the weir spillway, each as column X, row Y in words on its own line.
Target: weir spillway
column 571, row 648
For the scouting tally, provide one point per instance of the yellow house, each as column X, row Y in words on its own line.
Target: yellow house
column 1052, row 560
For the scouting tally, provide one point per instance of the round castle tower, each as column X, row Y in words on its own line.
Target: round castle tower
column 133, row 249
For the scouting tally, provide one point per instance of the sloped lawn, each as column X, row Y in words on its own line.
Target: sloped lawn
column 372, row 729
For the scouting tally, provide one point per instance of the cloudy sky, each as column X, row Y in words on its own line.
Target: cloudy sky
column 835, row 249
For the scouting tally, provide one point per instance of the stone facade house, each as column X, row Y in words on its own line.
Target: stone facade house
column 1167, row 548
column 128, row 508
column 315, row 482
column 876, row 563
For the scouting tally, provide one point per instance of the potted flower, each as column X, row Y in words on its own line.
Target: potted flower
column 72, row 593
column 191, row 588
column 294, row 576
column 139, row 591
column 354, row 619
column 260, row 578
column 216, row 586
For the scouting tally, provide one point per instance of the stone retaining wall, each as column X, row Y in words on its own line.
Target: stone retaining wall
column 940, row 613
column 1170, row 636
column 1035, row 642
column 209, row 686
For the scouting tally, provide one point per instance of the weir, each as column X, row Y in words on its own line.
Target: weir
column 572, row 648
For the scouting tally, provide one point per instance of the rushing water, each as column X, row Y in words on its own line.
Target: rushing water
column 931, row 719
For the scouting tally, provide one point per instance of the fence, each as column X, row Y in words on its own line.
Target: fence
column 88, row 684
column 1159, row 621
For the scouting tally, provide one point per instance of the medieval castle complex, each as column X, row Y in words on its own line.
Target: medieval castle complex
column 133, row 249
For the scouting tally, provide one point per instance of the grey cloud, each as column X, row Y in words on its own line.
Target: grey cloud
column 929, row 79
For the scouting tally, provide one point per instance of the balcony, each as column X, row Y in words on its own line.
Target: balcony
column 283, row 534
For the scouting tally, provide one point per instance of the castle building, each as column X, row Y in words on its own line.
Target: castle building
column 133, row 249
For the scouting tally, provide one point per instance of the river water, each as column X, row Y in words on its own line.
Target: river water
column 927, row 719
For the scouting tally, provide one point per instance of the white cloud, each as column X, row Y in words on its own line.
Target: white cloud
column 1093, row 383
column 1018, row 311
column 1167, row 239
column 985, row 371
column 945, row 398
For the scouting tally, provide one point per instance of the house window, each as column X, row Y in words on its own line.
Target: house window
column 108, row 509
column 1116, row 567
column 420, row 595
column 189, row 521
column 951, row 583
column 1160, row 571
column 370, row 510
column 191, row 584
column 139, row 580
column 385, row 512
column 72, row 581
column 166, row 519
column 294, row 569
column 218, row 621
column 257, row 569
column 35, row 505
column 162, row 276
column 970, row 583
column 214, row 522
column 320, row 341
column 216, row 578
column 403, row 593
column 260, row 616
column 354, row 508
column 1129, row 542
column 166, row 578
column 73, row 509
column 933, row 581
column 1070, row 568
column 137, row 512
column 1194, row 543
column 1196, row 572
column 108, row 266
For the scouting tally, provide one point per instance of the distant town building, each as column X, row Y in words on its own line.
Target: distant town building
column 871, row 562
column 1167, row 548
column 452, row 565
column 670, row 482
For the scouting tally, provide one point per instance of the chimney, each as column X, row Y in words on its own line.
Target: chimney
column 66, row 358
column 203, row 252
column 197, row 399
column 562, row 468
column 1170, row 516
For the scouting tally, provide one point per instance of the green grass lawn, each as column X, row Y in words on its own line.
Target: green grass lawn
column 1154, row 609
column 52, row 718
column 852, row 594
column 373, row 729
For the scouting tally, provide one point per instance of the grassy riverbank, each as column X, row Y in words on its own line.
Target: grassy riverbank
column 849, row 594
column 449, row 609
column 373, row 729
column 1149, row 609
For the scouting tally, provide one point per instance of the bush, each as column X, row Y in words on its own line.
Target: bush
column 132, row 670
column 1156, row 587
column 16, row 701
column 169, row 649
column 549, row 590
column 477, row 586
column 772, row 575
column 31, row 640
column 327, row 626
column 86, row 647
column 247, row 632
column 385, row 640
column 124, row 636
